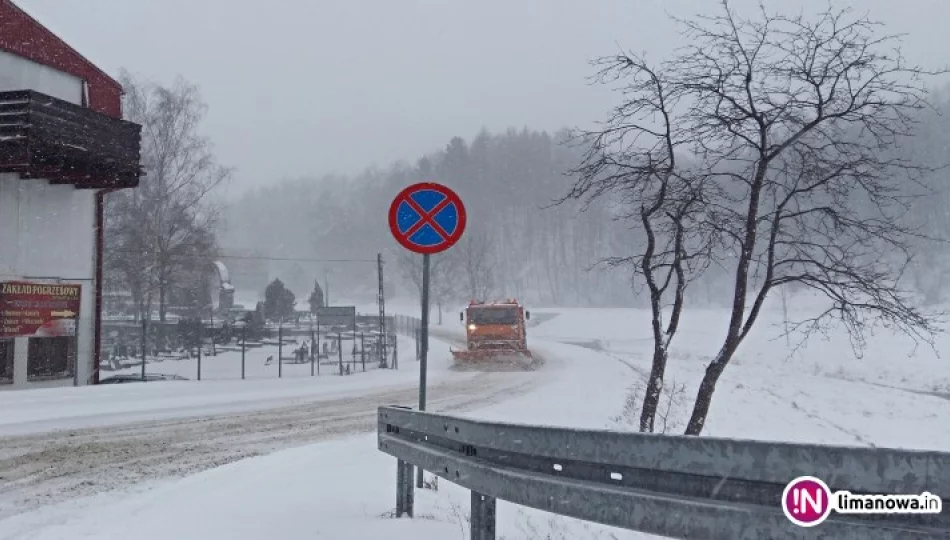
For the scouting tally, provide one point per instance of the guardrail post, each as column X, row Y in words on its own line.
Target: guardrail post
column 483, row 517
column 404, row 491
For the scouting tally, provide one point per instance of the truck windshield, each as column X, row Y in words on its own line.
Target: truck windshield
column 493, row 316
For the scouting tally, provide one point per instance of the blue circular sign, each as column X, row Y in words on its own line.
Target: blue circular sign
column 427, row 218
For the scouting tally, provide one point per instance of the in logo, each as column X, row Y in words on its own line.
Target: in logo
column 806, row 501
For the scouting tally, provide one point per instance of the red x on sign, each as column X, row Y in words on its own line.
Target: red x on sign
column 427, row 218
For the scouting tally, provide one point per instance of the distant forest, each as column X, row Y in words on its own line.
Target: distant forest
column 519, row 243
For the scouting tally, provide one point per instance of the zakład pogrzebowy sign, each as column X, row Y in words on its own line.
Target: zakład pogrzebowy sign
column 38, row 309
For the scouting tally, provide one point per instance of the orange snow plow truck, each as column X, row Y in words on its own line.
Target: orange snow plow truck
column 495, row 335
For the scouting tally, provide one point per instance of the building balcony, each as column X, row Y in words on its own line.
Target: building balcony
column 46, row 137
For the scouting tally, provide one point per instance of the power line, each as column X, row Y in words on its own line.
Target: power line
column 254, row 258
column 299, row 259
column 44, row 278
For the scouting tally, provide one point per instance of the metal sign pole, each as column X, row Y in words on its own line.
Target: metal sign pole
column 76, row 355
column 144, row 343
column 424, row 334
column 424, row 218
column 423, row 346
column 200, row 344
column 353, row 356
column 383, row 357
column 339, row 351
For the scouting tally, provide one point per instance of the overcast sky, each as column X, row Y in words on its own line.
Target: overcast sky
column 307, row 87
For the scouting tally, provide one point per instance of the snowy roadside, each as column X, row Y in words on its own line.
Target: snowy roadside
column 888, row 360
column 339, row 489
column 345, row 489
column 39, row 411
column 821, row 394
column 61, row 444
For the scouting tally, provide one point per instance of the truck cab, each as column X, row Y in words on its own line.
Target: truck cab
column 496, row 325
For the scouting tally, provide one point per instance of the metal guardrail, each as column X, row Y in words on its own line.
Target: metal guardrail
column 675, row 486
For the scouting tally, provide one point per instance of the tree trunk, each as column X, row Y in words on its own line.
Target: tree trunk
column 651, row 397
column 740, row 288
column 440, row 313
column 145, row 308
column 707, row 388
column 138, row 300
column 161, row 300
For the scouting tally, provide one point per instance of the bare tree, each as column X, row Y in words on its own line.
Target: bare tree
column 476, row 263
column 791, row 125
column 443, row 276
column 635, row 155
column 163, row 231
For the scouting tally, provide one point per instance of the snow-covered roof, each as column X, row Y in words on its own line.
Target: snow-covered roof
column 223, row 274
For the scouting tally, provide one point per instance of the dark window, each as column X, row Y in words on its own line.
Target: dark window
column 51, row 358
column 493, row 316
column 6, row 360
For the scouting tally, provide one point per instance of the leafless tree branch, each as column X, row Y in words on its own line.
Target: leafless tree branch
column 768, row 146
column 160, row 236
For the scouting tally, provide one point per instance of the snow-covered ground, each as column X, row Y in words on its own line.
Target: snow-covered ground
column 340, row 489
column 42, row 410
column 888, row 359
column 227, row 364
column 895, row 395
column 345, row 488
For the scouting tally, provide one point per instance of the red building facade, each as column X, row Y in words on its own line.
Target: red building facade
column 24, row 36
column 74, row 142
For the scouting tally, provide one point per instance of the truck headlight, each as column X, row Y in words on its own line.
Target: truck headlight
column 472, row 327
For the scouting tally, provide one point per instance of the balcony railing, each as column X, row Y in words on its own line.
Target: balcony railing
column 46, row 137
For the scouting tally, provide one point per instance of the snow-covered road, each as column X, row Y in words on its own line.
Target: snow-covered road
column 36, row 470
column 139, row 483
column 68, row 443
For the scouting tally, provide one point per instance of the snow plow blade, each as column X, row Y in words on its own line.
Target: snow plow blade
column 494, row 360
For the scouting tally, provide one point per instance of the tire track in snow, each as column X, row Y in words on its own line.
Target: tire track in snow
column 599, row 347
column 811, row 414
column 37, row 470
